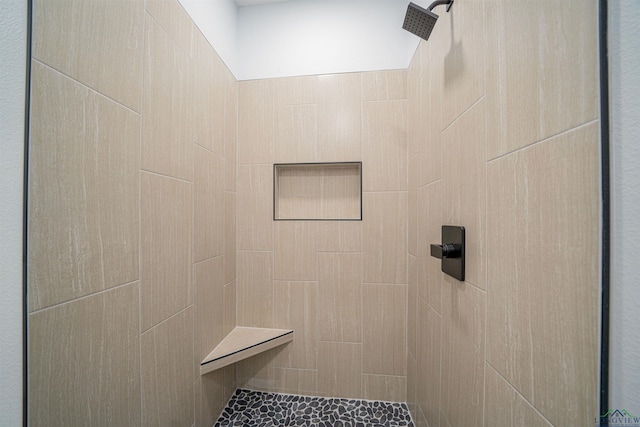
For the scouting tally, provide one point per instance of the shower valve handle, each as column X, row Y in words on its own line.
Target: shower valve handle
column 446, row 250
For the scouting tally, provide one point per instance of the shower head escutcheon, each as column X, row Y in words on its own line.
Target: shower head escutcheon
column 420, row 21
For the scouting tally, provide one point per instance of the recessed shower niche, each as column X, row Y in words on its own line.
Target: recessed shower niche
column 317, row 191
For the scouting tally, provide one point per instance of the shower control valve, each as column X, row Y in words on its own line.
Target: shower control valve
column 451, row 251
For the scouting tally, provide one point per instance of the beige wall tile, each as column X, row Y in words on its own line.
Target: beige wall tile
column 255, row 207
column 83, row 191
column 463, row 342
column 465, row 178
column 170, row 15
column 460, row 36
column 412, row 243
column 430, row 221
column 549, row 189
column 255, row 289
column 414, row 107
column 295, row 134
column 210, row 397
column 107, row 44
column 230, row 295
column 231, row 131
column 340, row 296
column 168, row 372
column 430, row 124
column 384, row 85
column 209, row 97
column 412, row 305
column 544, row 80
column 84, row 361
column 208, row 306
column 505, row 407
column 385, row 237
column 429, row 363
column 296, row 250
column 165, row 247
column 229, row 237
column 339, row 367
column 384, row 326
column 296, row 90
column 255, row 122
column 167, row 109
column 299, row 191
column 412, row 381
column 384, row 387
column 295, row 308
column 384, row 160
column 209, row 210
column 340, row 236
column 258, row 372
column 339, row 118
column 296, row 381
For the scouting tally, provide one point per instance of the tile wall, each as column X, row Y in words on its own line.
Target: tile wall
column 341, row 285
column 132, row 194
column 503, row 138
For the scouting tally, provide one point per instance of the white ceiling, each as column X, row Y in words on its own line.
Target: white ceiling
column 256, row 2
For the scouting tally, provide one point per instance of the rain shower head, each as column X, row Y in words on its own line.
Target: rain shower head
column 420, row 21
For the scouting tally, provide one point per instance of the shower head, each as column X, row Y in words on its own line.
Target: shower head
column 420, row 21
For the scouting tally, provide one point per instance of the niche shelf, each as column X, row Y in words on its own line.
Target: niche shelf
column 317, row 191
column 241, row 343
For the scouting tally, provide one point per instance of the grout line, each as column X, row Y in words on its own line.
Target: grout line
column 93, row 90
column 531, row 145
column 166, row 176
column 459, row 116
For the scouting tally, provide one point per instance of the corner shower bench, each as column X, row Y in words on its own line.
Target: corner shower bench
column 241, row 343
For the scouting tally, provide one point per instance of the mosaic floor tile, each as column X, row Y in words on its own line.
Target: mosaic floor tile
column 260, row 409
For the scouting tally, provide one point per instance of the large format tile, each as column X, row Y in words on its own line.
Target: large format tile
column 385, row 237
column 255, row 122
column 384, row 160
column 465, row 187
column 167, row 106
column 460, row 55
column 231, row 131
column 412, row 215
column 428, row 127
column 208, row 306
column 168, row 372
column 384, row 387
column 297, row 381
column 174, row 20
column 210, row 398
column 229, row 237
column 340, row 296
column 296, row 90
column 255, row 289
column 429, row 363
column 295, row 308
column 166, row 237
column 230, row 309
column 84, row 361
column 543, row 78
column 104, row 41
column 255, row 207
column 429, row 269
column 463, row 353
column 384, row 85
column 412, row 305
column 295, row 134
column 295, row 250
column 210, row 97
column 339, row 118
column 340, row 236
column 543, row 298
column 83, row 191
column 384, row 326
column 209, row 212
column 505, row 407
column 339, row 367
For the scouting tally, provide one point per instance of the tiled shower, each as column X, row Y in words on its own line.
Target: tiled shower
column 151, row 230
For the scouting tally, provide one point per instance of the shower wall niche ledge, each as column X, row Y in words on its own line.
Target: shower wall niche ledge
column 317, row 191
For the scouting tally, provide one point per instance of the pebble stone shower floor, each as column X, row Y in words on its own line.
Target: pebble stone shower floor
column 260, row 409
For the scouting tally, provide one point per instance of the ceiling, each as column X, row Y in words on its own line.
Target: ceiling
column 256, row 2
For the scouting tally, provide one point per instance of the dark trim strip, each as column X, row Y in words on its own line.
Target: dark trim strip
column 25, row 206
column 606, row 214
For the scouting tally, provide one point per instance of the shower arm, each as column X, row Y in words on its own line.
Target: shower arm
column 449, row 3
